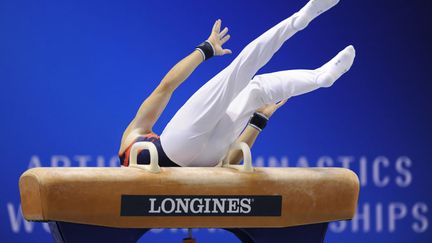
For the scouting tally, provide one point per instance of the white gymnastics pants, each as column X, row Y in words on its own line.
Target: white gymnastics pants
column 201, row 132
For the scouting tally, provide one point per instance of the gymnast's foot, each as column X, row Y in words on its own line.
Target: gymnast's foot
column 336, row 67
column 310, row 11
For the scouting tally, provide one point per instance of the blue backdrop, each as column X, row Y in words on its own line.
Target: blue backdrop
column 73, row 73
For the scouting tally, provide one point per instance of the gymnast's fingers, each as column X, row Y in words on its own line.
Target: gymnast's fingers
column 223, row 32
column 214, row 26
column 217, row 25
column 227, row 51
column 225, row 39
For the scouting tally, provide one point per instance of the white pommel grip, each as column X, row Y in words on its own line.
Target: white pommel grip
column 247, row 158
column 154, row 159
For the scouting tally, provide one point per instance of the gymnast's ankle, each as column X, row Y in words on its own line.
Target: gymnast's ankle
column 336, row 67
column 310, row 11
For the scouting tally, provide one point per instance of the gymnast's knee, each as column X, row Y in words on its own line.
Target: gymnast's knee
column 259, row 92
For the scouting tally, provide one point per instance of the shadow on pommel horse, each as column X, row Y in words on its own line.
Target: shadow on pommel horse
column 121, row 204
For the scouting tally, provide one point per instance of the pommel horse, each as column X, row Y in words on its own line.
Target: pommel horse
column 121, row 204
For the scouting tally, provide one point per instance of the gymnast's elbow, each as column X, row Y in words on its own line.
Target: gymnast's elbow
column 166, row 86
column 170, row 82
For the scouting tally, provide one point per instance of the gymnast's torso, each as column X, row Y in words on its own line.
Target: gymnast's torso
column 144, row 155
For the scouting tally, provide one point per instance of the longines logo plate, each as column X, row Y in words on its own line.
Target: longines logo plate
column 175, row 205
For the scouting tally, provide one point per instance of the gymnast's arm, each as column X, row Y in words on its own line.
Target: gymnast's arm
column 151, row 109
column 250, row 133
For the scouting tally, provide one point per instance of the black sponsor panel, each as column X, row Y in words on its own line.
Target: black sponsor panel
column 180, row 205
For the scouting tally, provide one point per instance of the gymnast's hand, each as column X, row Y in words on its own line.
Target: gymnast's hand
column 218, row 38
column 268, row 110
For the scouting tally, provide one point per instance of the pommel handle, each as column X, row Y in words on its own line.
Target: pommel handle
column 153, row 167
column 247, row 158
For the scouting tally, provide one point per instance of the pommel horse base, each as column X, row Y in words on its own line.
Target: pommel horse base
column 121, row 204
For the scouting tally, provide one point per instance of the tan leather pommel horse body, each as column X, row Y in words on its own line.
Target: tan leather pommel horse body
column 216, row 197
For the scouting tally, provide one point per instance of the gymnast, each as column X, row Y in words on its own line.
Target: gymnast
column 234, row 105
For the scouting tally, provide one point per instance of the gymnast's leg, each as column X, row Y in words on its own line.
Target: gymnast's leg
column 190, row 129
column 267, row 89
column 273, row 87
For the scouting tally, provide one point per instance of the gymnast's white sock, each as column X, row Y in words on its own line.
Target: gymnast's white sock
column 310, row 11
column 336, row 67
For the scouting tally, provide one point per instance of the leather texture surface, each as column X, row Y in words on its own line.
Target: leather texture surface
column 93, row 195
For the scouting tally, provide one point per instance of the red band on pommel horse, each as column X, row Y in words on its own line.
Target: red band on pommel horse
column 257, row 204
